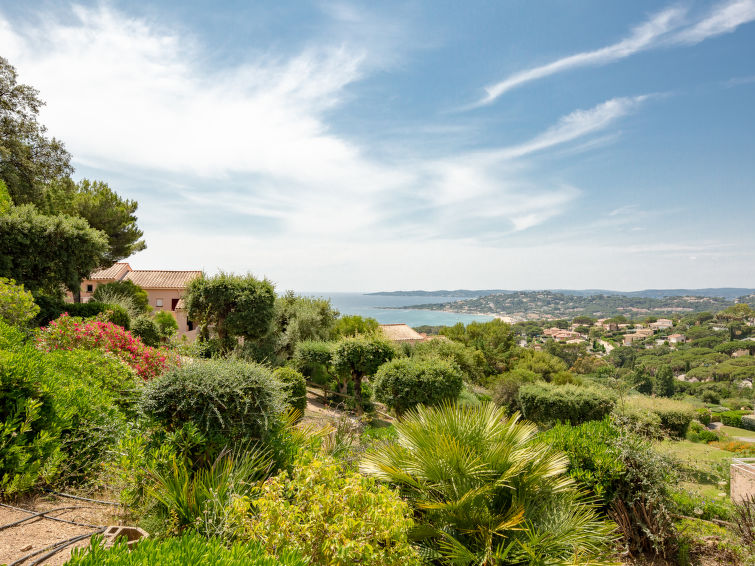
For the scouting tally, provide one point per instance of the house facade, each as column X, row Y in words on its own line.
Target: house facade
column 165, row 289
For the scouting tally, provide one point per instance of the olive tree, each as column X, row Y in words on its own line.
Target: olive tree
column 355, row 358
column 233, row 306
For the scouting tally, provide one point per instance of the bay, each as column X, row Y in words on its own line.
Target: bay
column 375, row 306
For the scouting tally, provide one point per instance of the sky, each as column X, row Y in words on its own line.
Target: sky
column 364, row 146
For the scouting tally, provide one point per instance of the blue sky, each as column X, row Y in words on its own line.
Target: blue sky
column 337, row 146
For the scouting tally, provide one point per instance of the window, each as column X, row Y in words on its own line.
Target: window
column 90, row 287
column 158, row 302
column 189, row 325
column 173, row 304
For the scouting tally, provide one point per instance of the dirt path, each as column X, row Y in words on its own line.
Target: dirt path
column 35, row 534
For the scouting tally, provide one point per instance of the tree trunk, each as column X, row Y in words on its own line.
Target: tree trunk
column 358, row 391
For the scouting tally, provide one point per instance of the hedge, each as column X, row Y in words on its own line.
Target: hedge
column 675, row 415
column 52, row 308
column 546, row 403
column 734, row 418
column 406, row 382
column 748, row 422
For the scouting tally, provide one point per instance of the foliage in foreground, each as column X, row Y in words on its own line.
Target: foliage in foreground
column 188, row 550
column 629, row 480
column 60, row 411
column 487, row 492
column 331, row 516
column 16, row 304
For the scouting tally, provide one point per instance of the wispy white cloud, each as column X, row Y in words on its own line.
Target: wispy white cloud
column 217, row 156
column 723, row 18
column 667, row 27
column 576, row 125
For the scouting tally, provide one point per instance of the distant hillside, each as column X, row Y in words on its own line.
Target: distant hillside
column 723, row 292
column 442, row 293
column 532, row 305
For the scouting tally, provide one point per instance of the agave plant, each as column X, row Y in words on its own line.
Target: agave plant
column 487, row 492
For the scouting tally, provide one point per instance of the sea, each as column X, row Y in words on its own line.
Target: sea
column 377, row 307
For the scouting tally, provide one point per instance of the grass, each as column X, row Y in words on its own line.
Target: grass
column 738, row 432
column 703, row 465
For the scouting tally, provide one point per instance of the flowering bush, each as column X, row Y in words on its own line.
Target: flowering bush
column 67, row 333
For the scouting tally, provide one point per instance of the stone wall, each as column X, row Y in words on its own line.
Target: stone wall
column 742, row 478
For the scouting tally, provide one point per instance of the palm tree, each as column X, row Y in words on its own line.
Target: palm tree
column 486, row 492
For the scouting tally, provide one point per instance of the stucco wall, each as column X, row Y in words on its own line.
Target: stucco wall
column 168, row 297
column 742, row 478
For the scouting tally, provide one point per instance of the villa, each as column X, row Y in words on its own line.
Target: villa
column 165, row 289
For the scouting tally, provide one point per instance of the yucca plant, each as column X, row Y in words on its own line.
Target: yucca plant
column 487, row 492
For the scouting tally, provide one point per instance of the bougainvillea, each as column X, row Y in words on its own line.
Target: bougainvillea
column 67, row 333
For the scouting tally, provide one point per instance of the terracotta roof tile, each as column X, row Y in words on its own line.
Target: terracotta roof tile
column 115, row 272
column 400, row 332
column 159, row 279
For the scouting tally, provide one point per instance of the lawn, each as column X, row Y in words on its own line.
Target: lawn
column 703, row 466
column 740, row 433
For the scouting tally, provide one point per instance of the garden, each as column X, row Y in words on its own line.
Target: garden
column 463, row 449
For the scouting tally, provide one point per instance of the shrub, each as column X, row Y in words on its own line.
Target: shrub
column 133, row 295
column 543, row 403
column 17, row 305
column 231, row 399
column 403, row 383
column 629, row 478
column 67, row 333
column 29, row 428
column 698, row 433
column 331, row 516
column 294, row 388
column 470, row 361
column 748, row 422
column 703, row 415
column 53, row 307
column 166, row 323
column 146, row 330
column 92, row 394
column 733, row 418
column 506, row 388
column 675, row 415
column 638, row 421
column 187, row 550
column 483, row 487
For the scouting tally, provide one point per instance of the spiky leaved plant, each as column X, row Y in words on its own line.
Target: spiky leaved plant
column 487, row 492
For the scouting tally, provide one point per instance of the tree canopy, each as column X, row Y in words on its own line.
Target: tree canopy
column 235, row 306
column 43, row 252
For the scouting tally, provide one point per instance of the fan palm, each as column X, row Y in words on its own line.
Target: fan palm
column 487, row 492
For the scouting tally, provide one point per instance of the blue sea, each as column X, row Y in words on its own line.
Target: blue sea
column 374, row 306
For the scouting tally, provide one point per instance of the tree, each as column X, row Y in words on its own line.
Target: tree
column 664, row 382
column 495, row 339
column 296, row 319
column 45, row 252
column 37, row 171
column 235, row 306
column 17, row 305
column 359, row 357
column 351, row 325
column 29, row 160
